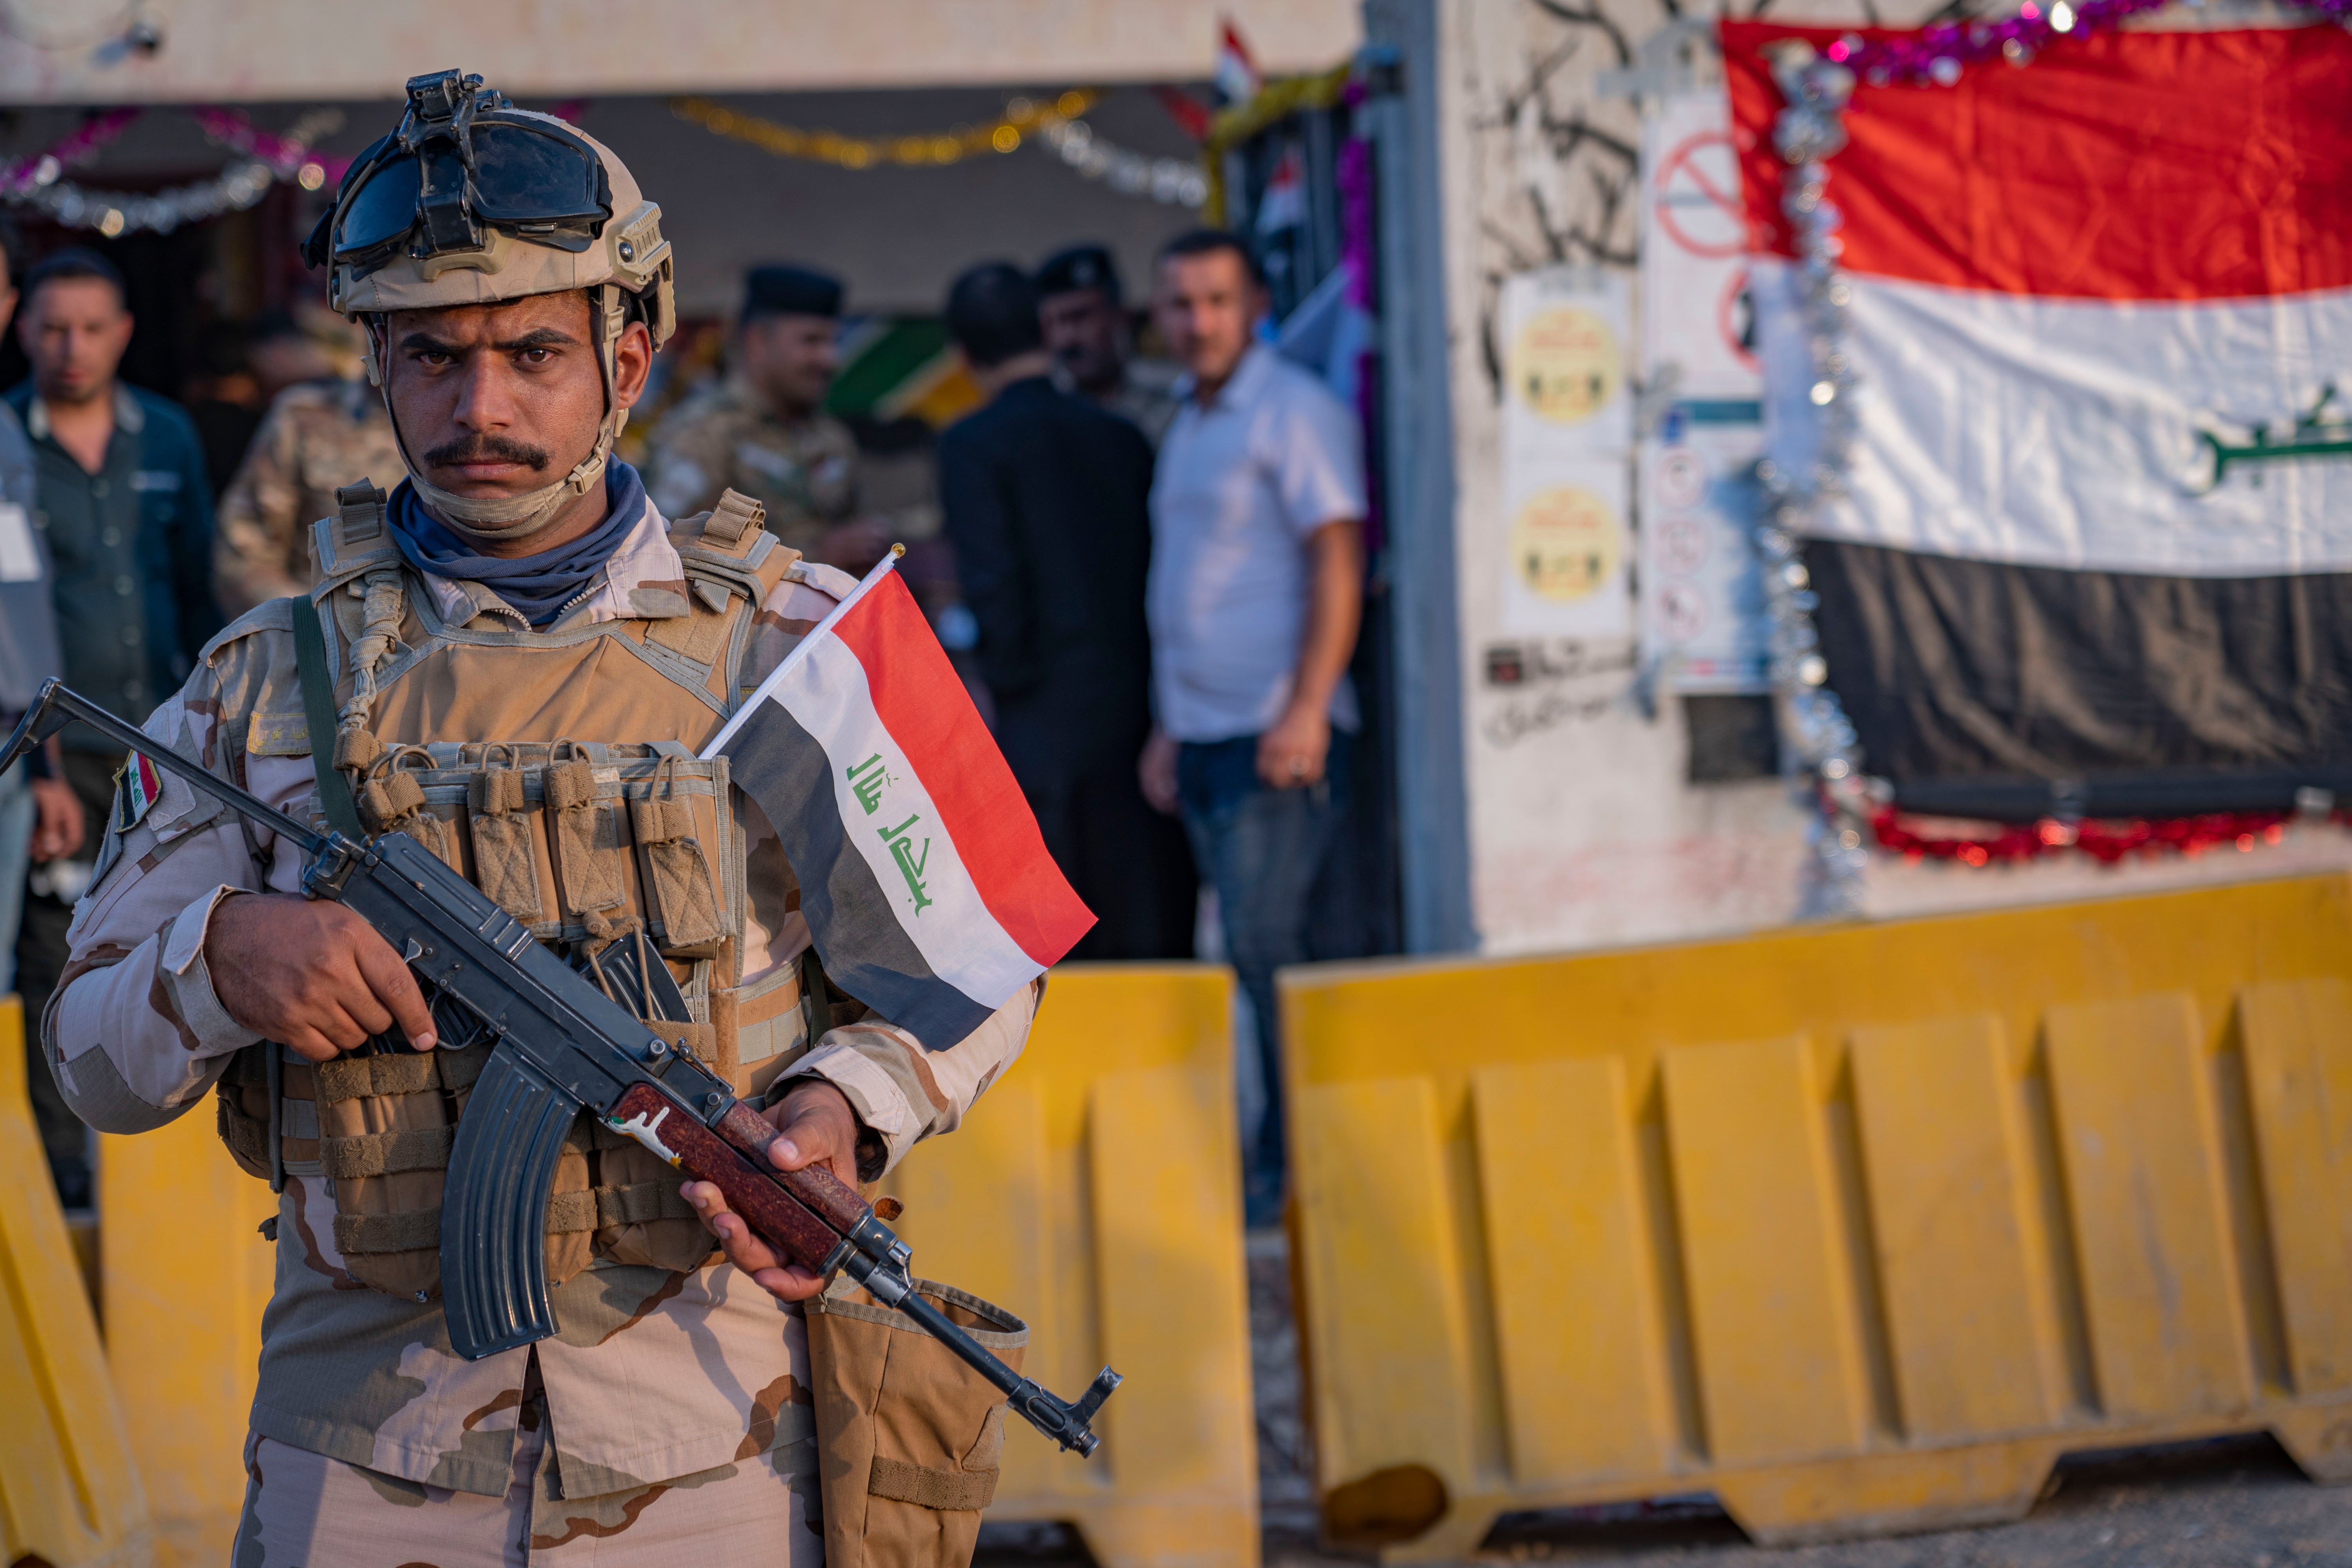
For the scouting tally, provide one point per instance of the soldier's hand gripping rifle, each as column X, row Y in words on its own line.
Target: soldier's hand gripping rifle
column 561, row 1044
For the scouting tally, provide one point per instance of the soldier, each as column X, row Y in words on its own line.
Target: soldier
column 522, row 654
column 763, row 431
column 317, row 437
column 1078, row 306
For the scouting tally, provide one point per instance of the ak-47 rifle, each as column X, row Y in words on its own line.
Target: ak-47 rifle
column 561, row 1044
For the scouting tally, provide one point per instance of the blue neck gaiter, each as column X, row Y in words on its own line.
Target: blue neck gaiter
column 538, row 587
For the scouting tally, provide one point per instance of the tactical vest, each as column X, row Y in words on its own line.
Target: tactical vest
column 556, row 771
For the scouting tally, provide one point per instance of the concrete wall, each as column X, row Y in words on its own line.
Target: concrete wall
column 69, row 51
column 1583, row 829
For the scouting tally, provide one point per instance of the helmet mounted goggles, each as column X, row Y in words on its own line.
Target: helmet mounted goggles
column 473, row 202
column 462, row 163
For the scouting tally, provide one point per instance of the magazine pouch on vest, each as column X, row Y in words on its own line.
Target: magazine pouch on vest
column 624, row 856
column 909, row 1437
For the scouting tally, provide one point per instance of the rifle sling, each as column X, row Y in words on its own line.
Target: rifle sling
column 343, row 812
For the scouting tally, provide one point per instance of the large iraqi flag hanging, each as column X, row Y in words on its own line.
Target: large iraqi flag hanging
column 926, row 886
column 2097, row 536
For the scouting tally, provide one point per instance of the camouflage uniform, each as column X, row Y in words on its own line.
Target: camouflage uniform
column 309, row 1510
column 728, row 437
column 316, row 438
column 676, row 1397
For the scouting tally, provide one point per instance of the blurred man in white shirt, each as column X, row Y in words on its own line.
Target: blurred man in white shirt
column 1255, row 594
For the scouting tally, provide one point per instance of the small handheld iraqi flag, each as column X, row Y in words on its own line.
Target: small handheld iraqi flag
column 924, row 881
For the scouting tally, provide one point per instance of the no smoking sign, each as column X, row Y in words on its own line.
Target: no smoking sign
column 1697, row 315
column 1697, row 192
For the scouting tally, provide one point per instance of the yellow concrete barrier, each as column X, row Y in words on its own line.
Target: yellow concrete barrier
column 1096, row 1191
column 1859, row 1228
column 69, row 1494
column 184, row 1273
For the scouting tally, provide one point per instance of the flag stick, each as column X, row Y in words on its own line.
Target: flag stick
column 726, row 733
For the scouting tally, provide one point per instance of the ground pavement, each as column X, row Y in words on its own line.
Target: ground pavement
column 2235, row 1503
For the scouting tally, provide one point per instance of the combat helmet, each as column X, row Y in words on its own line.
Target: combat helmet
column 473, row 200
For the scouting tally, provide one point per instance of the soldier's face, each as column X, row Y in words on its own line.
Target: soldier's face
column 1205, row 306
column 74, row 332
column 791, row 359
column 498, row 400
column 1082, row 331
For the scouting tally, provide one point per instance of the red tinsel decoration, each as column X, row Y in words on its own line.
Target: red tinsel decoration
column 2107, row 842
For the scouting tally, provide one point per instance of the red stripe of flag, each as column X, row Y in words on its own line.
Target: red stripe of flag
column 2129, row 165
column 927, row 710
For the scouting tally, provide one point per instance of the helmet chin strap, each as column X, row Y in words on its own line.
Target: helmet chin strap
column 490, row 520
column 495, row 520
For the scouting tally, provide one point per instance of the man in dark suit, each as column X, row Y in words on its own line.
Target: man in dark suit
column 1047, row 500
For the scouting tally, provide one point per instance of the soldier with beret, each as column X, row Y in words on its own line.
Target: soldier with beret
column 1087, row 332
column 762, row 431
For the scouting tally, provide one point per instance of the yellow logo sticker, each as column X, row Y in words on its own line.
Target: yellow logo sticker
column 1565, row 364
column 1565, row 543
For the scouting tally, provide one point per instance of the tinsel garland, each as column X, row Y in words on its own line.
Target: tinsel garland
column 1276, row 102
column 2106, row 842
column 20, row 176
column 1023, row 118
column 34, row 182
column 1175, row 181
column 1821, row 749
column 1938, row 55
column 288, row 151
column 1054, row 121
column 1818, row 738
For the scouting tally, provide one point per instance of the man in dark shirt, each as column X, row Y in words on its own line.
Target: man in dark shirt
column 39, row 817
column 1046, row 501
column 121, row 502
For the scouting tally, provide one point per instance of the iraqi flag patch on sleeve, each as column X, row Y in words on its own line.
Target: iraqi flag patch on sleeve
column 138, row 785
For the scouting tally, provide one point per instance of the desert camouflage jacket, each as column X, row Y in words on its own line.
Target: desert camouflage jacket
column 654, row 1375
column 725, row 438
column 317, row 437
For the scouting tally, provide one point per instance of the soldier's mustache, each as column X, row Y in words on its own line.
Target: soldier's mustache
column 486, row 449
